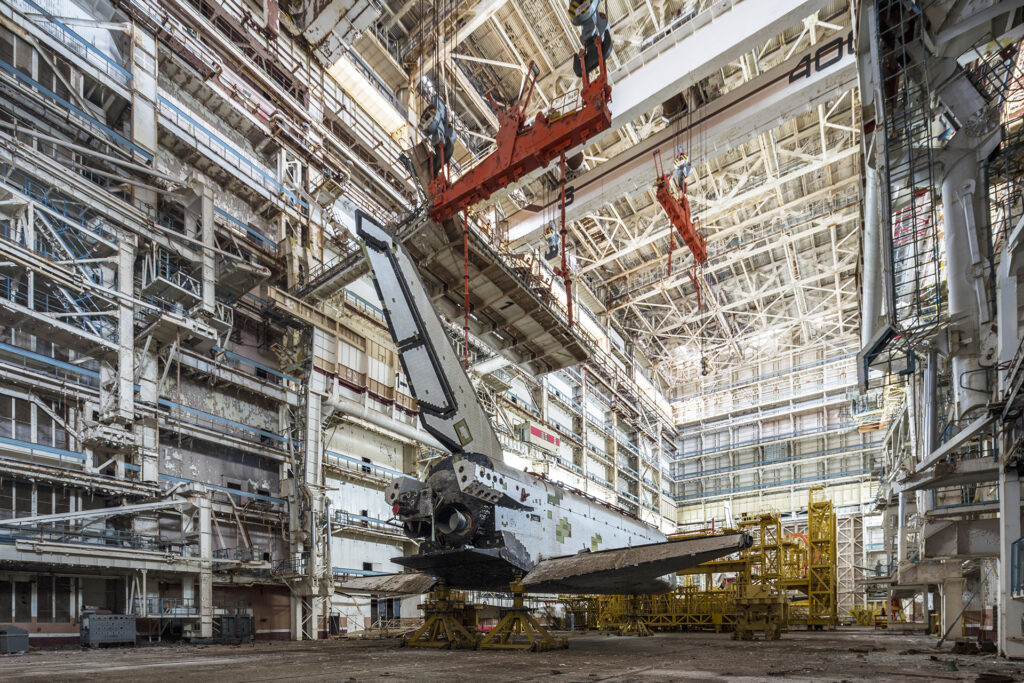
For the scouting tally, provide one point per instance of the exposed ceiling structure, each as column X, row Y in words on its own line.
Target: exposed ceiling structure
column 775, row 188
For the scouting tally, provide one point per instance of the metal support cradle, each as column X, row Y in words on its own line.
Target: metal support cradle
column 518, row 629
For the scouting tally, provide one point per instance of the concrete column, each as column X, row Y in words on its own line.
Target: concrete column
column 295, row 606
column 206, row 566
column 952, row 590
column 872, row 293
column 930, row 416
column 206, row 236
column 1007, row 319
column 147, row 434
column 126, row 329
column 543, row 400
column 30, row 243
column 144, row 89
column 144, row 610
column 1011, row 611
column 960, row 196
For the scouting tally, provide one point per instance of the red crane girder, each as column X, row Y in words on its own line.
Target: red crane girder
column 522, row 149
column 678, row 211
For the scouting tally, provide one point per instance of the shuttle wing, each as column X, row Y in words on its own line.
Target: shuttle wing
column 625, row 571
column 390, row 584
column 449, row 408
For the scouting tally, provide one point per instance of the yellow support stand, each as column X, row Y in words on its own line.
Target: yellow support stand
column 518, row 629
column 442, row 624
column 759, row 609
column 634, row 621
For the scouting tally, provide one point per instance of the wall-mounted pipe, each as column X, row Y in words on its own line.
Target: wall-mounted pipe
column 358, row 410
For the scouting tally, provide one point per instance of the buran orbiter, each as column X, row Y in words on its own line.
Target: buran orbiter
column 480, row 523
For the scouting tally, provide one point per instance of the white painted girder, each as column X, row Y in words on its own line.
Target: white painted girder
column 699, row 48
column 651, row 236
column 738, row 116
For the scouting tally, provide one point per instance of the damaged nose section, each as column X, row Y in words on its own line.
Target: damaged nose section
column 410, row 502
column 408, row 498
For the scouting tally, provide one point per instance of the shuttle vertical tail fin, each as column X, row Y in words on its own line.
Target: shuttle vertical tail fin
column 449, row 407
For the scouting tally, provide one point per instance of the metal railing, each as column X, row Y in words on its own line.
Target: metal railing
column 349, row 520
column 228, row 153
column 1017, row 568
column 52, row 25
column 108, row 538
column 185, row 607
column 91, row 322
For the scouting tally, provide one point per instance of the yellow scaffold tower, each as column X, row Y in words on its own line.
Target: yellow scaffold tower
column 822, row 560
column 760, row 604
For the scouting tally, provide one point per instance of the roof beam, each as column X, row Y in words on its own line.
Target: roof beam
column 699, row 48
column 725, row 123
column 651, row 236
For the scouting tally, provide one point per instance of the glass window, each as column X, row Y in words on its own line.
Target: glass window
column 44, row 500
column 22, row 420
column 23, row 499
column 6, row 416
column 6, row 504
column 44, row 599
column 22, row 601
column 61, row 599
column 6, row 601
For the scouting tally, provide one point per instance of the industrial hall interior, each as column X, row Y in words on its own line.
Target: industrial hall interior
column 443, row 339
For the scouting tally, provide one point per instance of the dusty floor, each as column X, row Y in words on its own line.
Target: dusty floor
column 846, row 655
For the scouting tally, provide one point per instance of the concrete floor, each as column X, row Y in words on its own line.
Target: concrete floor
column 846, row 655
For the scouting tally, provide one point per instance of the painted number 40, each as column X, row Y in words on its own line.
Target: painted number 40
column 824, row 57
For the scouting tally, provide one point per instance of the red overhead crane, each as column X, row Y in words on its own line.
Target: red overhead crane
column 523, row 148
column 678, row 210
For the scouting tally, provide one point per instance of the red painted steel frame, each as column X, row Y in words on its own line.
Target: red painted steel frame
column 521, row 148
column 678, row 211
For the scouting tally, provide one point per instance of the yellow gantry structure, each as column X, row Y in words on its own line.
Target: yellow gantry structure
column 781, row 579
column 822, row 560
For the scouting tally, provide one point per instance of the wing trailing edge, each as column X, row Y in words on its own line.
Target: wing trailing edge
column 626, row 571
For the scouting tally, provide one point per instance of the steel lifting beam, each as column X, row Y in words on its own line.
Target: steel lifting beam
column 678, row 212
column 524, row 148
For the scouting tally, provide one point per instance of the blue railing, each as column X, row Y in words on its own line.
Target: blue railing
column 35, row 448
column 259, row 366
column 367, row 467
column 232, row 152
column 214, row 487
column 774, row 484
column 345, row 571
column 365, row 305
column 788, row 458
column 69, row 210
column 109, row 538
column 839, row 426
column 67, row 37
column 89, row 321
column 569, row 465
column 91, row 122
column 254, row 234
column 222, row 420
column 53, row 362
